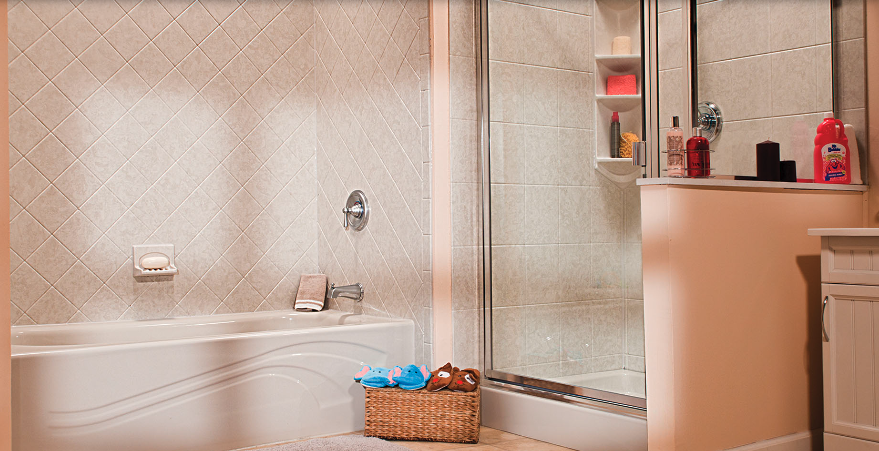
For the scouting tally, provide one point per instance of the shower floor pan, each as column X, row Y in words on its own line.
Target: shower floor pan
column 624, row 382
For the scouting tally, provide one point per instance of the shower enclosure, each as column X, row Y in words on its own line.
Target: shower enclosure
column 562, row 230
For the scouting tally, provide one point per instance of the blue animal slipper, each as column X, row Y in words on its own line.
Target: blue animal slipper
column 378, row 377
column 413, row 377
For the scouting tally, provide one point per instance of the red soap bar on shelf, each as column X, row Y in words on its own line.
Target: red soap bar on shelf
column 622, row 85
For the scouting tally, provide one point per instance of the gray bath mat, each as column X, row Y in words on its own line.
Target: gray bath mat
column 340, row 443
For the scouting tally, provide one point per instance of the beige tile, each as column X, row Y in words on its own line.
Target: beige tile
column 50, row 157
column 541, row 275
column 76, row 32
column 508, row 275
column 575, row 214
column 126, row 37
column 101, row 14
column 508, row 206
column 573, row 41
column 541, row 96
column 671, row 46
column 541, row 155
column 103, row 208
column 542, row 333
column 151, row 64
column 27, row 286
column 508, row 337
column 78, row 284
column 24, row 26
column 462, row 72
column 51, row 260
column 743, row 22
column 794, row 23
column 197, row 22
column 541, row 215
column 794, row 78
column 26, row 182
column 50, row 106
column 851, row 20
column 51, row 208
column 609, row 327
column 575, row 337
column 851, row 80
column 104, row 306
column 25, row 78
column 174, row 43
column 77, row 83
column 607, row 272
column 49, row 54
column 507, row 87
column 467, row 333
column 724, row 81
column 736, row 152
column 51, row 308
column 50, row 12
column 635, row 327
column 507, row 154
column 151, row 17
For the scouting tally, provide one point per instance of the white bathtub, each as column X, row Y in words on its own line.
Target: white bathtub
column 208, row 383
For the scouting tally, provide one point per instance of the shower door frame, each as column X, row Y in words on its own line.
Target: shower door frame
column 554, row 390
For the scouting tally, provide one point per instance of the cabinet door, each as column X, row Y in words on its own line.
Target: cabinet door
column 850, row 357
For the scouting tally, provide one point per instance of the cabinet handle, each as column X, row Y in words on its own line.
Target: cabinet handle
column 823, row 329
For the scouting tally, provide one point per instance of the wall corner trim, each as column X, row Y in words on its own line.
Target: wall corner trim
column 440, row 97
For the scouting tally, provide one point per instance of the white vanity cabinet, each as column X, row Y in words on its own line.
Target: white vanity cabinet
column 850, row 337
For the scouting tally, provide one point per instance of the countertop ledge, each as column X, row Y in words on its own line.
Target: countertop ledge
column 726, row 183
column 844, row 232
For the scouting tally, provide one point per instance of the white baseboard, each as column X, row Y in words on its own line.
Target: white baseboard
column 801, row 441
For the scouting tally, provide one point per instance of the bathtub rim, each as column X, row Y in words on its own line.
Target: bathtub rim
column 19, row 351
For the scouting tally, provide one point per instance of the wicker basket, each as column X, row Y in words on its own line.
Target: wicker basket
column 441, row 416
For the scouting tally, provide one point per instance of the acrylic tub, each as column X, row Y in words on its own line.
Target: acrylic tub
column 208, row 383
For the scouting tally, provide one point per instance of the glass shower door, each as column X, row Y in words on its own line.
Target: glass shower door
column 564, row 302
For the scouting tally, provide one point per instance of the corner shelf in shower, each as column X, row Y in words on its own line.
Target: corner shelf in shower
column 616, row 18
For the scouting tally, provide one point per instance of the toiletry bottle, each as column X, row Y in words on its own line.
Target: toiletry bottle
column 832, row 158
column 615, row 135
column 698, row 156
column 674, row 143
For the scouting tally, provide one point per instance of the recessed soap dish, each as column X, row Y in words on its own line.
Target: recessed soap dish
column 153, row 260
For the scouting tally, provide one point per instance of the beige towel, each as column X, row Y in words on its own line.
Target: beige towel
column 312, row 292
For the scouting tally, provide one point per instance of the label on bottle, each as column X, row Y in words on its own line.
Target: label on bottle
column 833, row 156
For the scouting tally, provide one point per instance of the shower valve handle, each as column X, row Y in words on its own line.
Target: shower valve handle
column 356, row 210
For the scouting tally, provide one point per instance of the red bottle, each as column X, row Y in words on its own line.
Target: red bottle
column 832, row 159
column 698, row 156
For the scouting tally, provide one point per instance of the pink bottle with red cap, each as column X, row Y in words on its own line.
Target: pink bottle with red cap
column 832, row 158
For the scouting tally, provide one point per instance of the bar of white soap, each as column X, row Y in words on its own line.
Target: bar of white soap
column 154, row 261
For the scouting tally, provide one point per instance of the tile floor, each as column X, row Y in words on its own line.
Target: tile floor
column 489, row 440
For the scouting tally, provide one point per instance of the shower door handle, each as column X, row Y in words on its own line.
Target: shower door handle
column 824, row 329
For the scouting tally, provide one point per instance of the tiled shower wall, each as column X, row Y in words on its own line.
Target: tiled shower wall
column 373, row 135
column 774, row 82
column 197, row 124
column 566, row 251
column 160, row 122
column 788, row 61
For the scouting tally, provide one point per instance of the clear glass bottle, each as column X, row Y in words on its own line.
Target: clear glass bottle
column 674, row 143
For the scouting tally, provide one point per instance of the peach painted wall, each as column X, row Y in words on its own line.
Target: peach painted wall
column 732, row 312
column 5, row 293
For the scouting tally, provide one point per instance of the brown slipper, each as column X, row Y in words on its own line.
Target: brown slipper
column 440, row 378
column 465, row 380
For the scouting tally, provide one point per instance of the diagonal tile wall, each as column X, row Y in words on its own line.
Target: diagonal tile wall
column 170, row 121
column 371, row 80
